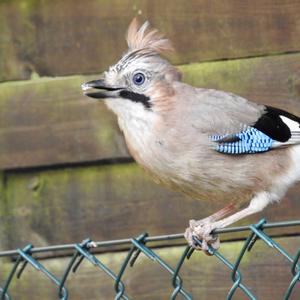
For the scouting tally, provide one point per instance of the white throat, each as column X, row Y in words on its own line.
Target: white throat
column 135, row 121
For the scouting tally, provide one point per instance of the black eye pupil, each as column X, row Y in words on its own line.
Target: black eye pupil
column 138, row 78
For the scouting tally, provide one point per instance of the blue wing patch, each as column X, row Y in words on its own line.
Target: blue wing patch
column 250, row 140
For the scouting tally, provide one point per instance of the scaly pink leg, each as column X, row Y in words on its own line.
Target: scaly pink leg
column 203, row 228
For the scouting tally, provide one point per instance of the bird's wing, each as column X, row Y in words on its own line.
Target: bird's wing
column 274, row 128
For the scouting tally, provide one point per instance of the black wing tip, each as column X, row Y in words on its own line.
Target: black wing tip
column 271, row 124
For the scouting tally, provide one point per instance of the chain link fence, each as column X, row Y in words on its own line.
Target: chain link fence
column 83, row 251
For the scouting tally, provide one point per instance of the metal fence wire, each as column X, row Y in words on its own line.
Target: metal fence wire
column 82, row 251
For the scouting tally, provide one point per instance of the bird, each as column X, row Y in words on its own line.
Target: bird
column 208, row 144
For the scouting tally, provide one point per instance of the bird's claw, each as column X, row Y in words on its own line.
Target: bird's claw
column 202, row 231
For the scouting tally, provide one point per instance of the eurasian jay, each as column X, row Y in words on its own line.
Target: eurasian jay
column 208, row 144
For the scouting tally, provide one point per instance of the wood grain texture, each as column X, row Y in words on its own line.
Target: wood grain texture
column 273, row 80
column 74, row 37
column 3, row 234
column 264, row 271
column 104, row 203
column 49, row 121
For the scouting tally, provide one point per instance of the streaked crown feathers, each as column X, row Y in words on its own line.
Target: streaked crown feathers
column 146, row 38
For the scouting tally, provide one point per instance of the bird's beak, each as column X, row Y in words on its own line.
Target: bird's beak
column 99, row 89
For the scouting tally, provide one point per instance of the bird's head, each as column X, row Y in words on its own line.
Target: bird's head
column 140, row 82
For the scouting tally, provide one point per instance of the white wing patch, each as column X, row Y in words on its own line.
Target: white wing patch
column 293, row 125
column 295, row 133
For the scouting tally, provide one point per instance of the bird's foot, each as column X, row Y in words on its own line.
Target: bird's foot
column 203, row 230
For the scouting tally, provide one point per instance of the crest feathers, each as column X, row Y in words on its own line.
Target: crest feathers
column 144, row 37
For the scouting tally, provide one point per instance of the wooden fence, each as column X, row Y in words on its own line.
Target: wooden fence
column 64, row 168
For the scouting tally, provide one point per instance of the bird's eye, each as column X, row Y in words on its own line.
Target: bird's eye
column 138, row 78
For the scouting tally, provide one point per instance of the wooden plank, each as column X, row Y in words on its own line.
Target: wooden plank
column 104, row 203
column 71, row 37
column 203, row 277
column 273, row 80
column 3, row 234
column 2, row 186
column 49, row 121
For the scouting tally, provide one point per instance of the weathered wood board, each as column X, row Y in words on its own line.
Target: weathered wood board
column 49, row 121
column 203, row 277
column 3, row 235
column 74, row 37
column 104, row 203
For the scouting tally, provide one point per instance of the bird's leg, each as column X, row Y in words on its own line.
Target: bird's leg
column 202, row 229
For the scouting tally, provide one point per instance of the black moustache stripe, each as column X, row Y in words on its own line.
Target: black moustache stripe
column 139, row 98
